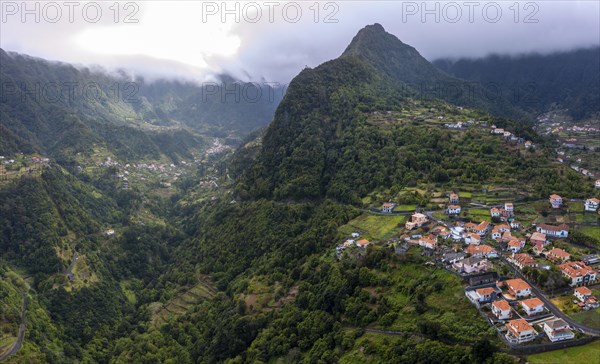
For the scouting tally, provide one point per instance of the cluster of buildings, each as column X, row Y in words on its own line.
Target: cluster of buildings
column 562, row 159
column 509, row 136
column 351, row 243
column 511, row 302
column 459, row 125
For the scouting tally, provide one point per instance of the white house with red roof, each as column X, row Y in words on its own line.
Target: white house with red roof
column 556, row 201
column 514, row 246
column 503, row 228
column 517, row 287
column 558, row 255
column 501, row 309
column 519, row 331
column 453, row 210
column 469, row 226
column 482, row 229
column 388, row 207
column 591, row 204
column 597, row 184
column 453, row 199
column 586, row 297
column 472, row 238
column 532, row 306
column 579, row 273
column 482, row 251
column 496, row 234
column 560, row 231
column 523, row 260
column 495, row 212
column 482, row 295
column 428, row 242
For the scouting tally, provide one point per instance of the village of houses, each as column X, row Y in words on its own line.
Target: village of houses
column 520, row 311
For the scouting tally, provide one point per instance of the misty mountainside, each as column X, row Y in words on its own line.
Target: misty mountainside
column 538, row 83
column 323, row 141
column 59, row 110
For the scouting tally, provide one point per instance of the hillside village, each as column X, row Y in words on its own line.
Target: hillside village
column 497, row 258
column 522, row 277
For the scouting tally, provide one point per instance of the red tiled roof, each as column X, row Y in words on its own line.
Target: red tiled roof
column 502, row 305
column 517, row 284
column 524, row 259
column 538, row 236
column 557, row 252
column 363, row 242
column 532, row 302
column 485, row 291
column 475, row 249
column 518, row 326
column 482, row 225
column 554, row 227
column 576, row 269
column 584, row 291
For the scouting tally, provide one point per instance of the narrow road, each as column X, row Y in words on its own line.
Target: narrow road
column 21, row 335
column 557, row 312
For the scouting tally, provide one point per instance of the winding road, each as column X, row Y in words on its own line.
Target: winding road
column 21, row 335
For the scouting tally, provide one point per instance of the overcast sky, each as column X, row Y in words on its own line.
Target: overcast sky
column 276, row 39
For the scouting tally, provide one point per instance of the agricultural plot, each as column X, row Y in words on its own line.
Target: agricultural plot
column 374, row 227
column 181, row 303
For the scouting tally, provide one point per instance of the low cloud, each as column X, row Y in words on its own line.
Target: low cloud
column 190, row 40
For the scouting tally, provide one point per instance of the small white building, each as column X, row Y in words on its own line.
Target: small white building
column 453, row 199
column 501, row 309
column 453, row 210
column 558, row 330
column 556, row 201
column 591, row 204
column 388, row 207
column 514, row 246
column 532, row 306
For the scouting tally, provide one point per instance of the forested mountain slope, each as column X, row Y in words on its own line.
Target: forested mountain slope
column 59, row 110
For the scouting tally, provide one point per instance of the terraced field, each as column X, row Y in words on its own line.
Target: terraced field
column 181, row 303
